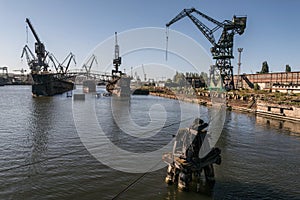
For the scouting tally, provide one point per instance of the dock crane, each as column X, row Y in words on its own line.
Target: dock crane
column 39, row 63
column 89, row 63
column 64, row 69
column 28, row 53
column 60, row 67
column 117, row 60
column 54, row 61
column 44, row 82
column 43, row 57
column 221, row 50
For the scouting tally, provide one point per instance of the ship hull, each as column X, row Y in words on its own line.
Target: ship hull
column 2, row 81
column 51, row 84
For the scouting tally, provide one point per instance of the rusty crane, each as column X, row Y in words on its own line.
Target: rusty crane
column 221, row 49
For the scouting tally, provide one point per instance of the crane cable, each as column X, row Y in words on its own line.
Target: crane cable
column 167, row 42
column 135, row 181
column 26, row 34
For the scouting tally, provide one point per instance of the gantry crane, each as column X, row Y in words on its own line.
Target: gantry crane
column 221, row 50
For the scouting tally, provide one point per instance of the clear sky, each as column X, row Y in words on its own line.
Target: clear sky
column 272, row 32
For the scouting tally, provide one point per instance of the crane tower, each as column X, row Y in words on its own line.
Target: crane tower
column 117, row 59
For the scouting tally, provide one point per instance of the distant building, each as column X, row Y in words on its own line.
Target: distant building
column 196, row 82
column 279, row 81
column 160, row 84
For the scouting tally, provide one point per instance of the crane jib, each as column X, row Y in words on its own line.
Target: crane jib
column 33, row 31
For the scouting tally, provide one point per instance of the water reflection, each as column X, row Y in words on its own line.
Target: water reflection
column 290, row 128
column 174, row 193
column 139, row 127
column 249, row 191
column 40, row 123
column 260, row 158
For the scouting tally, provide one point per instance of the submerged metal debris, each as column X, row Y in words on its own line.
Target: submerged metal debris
column 184, row 164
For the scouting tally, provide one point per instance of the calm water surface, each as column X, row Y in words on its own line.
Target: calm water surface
column 42, row 157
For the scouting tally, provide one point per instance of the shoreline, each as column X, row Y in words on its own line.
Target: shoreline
column 232, row 105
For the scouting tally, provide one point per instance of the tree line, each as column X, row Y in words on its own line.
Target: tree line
column 187, row 79
column 265, row 68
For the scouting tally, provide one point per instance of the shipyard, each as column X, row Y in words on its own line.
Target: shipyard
column 149, row 100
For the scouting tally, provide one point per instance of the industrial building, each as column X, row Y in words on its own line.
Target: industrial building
column 278, row 81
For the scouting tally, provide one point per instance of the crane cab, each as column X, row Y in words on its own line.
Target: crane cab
column 239, row 23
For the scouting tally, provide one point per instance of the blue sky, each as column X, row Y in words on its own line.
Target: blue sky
column 272, row 32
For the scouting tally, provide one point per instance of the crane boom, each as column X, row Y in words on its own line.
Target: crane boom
column 69, row 57
column 208, row 33
column 203, row 28
column 26, row 49
column 33, row 31
column 220, row 24
column 54, row 61
column 39, row 50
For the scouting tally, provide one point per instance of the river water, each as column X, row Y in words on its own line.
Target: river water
column 42, row 156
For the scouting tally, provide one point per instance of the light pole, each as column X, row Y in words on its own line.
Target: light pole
column 239, row 68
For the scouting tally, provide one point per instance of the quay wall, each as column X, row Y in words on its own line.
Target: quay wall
column 250, row 105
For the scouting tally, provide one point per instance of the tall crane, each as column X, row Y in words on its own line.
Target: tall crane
column 117, row 60
column 43, row 58
column 222, row 49
column 41, row 53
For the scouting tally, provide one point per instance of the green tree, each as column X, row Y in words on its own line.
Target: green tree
column 264, row 68
column 288, row 68
column 179, row 78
